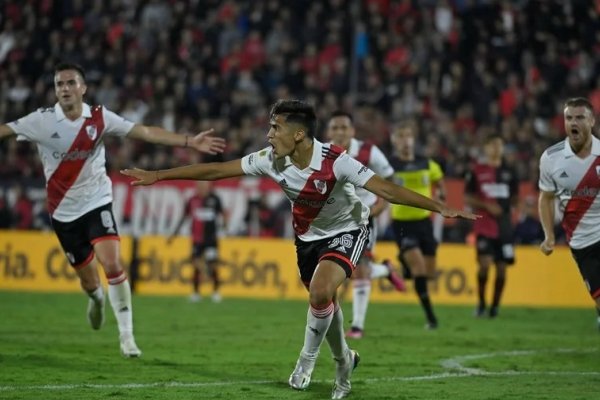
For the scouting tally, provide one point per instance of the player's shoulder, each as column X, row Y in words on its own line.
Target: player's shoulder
column 555, row 150
column 44, row 110
column 331, row 151
column 423, row 162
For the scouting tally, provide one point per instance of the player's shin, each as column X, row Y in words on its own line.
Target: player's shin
column 361, row 292
column 318, row 321
column 335, row 334
column 119, row 294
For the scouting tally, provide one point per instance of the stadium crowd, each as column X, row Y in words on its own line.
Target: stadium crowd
column 461, row 68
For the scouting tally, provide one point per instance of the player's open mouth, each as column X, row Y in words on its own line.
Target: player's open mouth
column 574, row 131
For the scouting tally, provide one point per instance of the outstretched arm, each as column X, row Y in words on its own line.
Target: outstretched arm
column 199, row 172
column 203, row 142
column 399, row 195
column 546, row 211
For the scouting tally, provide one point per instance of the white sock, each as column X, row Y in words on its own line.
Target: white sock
column 97, row 294
column 119, row 294
column 335, row 335
column 379, row 271
column 361, row 291
column 317, row 325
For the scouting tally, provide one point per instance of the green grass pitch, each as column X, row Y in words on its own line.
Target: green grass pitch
column 246, row 349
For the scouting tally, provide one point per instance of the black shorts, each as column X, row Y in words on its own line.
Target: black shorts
column 78, row 237
column 415, row 234
column 372, row 237
column 345, row 249
column 588, row 261
column 208, row 250
column 499, row 250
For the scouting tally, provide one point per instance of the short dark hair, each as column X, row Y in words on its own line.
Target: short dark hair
column 579, row 102
column 491, row 137
column 341, row 113
column 63, row 66
column 298, row 112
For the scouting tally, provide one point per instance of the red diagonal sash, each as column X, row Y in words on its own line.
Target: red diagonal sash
column 315, row 192
column 578, row 205
column 69, row 168
column 364, row 154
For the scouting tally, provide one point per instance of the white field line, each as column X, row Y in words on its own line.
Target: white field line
column 454, row 367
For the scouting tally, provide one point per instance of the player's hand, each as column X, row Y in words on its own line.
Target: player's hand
column 142, row 176
column 447, row 212
column 547, row 246
column 204, row 142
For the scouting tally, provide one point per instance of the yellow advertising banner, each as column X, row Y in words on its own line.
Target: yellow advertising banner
column 266, row 268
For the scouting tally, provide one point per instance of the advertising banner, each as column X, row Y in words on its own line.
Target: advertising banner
column 266, row 268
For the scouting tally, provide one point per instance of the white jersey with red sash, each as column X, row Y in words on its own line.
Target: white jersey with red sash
column 73, row 156
column 324, row 202
column 576, row 183
column 371, row 156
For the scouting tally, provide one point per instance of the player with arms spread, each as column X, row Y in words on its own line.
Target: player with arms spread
column 69, row 140
column 570, row 171
column 329, row 220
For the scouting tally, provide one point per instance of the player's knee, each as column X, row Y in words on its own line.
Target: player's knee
column 111, row 265
column 320, row 294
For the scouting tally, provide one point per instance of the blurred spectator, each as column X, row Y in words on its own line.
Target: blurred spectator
column 463, row 69
column 529, row 230
column 23, row 209
column 260, row 219
column 6, row 217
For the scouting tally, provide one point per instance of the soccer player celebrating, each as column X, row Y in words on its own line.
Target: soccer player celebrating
column 69, row 139
column 413, row 229
column 570, row 171
column 492, row 188
column 329, row 220
column 341, row 133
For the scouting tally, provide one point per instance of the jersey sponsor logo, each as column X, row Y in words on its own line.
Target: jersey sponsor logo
column 55, row 135
column 73, row 155
column 251, row 159
column 564, row 175
column 362, row 169
column 283, row 182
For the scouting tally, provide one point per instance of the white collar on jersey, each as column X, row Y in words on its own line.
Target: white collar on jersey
column 315, row 161
column 60, row 115
column 568, row 152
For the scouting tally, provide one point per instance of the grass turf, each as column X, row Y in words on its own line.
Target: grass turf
column 245, row 349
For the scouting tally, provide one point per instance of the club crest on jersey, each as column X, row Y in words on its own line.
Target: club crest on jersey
column 321, row 186
column 92, row 132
